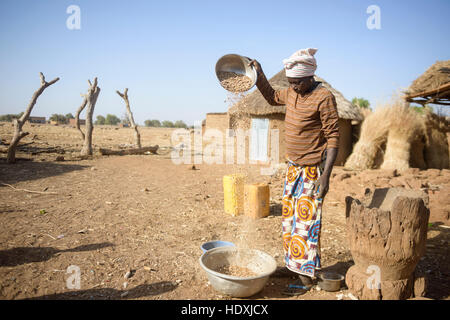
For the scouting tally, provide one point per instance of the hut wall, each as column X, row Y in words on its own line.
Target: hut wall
column 276, row 121
column 218, row 121
column 36, row 120
column 345, row 141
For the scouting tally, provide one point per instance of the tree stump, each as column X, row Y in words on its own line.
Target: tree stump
column 386, row 232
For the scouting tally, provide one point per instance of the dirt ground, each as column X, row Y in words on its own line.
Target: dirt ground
column 144, row 214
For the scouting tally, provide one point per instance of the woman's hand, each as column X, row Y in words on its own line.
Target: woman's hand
column 322, row 185
column 255, row 64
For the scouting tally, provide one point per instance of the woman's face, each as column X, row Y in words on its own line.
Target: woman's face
column 301, row 85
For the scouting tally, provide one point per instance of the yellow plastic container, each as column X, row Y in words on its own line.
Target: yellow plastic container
column 233, row 194
column 257, row 200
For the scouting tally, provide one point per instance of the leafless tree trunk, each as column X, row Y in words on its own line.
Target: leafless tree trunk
column 18, row 123
column 137, row 135
column 107, row 152
column 91, row 98
column 77, row 115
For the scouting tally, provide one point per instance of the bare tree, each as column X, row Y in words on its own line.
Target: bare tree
column 91, row 100
column 18, row 123
column 77, row 115
column 137, row 135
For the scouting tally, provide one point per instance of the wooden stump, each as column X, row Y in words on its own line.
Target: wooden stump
column 387, row 232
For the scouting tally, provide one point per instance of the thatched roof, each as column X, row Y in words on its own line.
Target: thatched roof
column 433, row 86
column 255, row 104
column 435, row 76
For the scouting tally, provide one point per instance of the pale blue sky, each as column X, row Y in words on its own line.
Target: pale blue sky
column 165, row 51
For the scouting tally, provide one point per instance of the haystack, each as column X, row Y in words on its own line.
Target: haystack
column 436, row 147
column 406, row 126
column 368, row 151
column 397, row 137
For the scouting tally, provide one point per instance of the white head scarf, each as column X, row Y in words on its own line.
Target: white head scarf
column 301, row 64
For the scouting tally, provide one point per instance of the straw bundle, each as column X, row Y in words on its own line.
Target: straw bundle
column 397, row 137
column 436, row 148
column 405, row 128
column 370, row 146
column 386, row 139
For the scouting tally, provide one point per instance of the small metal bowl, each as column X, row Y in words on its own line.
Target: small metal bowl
column 238, row 64
column 330, row 281
column 215, row 244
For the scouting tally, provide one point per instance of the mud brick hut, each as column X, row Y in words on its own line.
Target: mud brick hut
column 73, row 122
column 32, row 119
column 217, row 120
column 253, row 114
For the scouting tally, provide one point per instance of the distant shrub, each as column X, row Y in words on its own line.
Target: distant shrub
column 180, row 124
column 167, row 124
column 10, row 117
column 100, row 120
column 361, row 102
column 112, row 119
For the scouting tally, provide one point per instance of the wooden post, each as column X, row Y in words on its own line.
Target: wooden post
column 387, row 232
column 18, row 123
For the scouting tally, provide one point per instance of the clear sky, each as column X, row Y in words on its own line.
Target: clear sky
column 165, row 51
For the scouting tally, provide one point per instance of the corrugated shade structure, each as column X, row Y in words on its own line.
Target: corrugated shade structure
column 433, row 86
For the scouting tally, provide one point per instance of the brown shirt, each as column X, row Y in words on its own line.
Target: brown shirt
column 311, row 121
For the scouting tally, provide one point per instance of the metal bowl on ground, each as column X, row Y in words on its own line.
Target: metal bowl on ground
column 238, row 64
column 215, row 244
column 330, row 281
column 260, row 263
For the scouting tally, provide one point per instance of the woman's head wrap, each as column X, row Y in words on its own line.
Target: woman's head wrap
column 301, row 64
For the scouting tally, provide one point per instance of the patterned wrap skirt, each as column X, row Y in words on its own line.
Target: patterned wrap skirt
column 301, row 219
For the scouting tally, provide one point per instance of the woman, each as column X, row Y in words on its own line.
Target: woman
column 312, row 140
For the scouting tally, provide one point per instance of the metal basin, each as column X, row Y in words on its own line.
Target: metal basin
column 260, row 263
column 238, row 64
column 330, row 281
